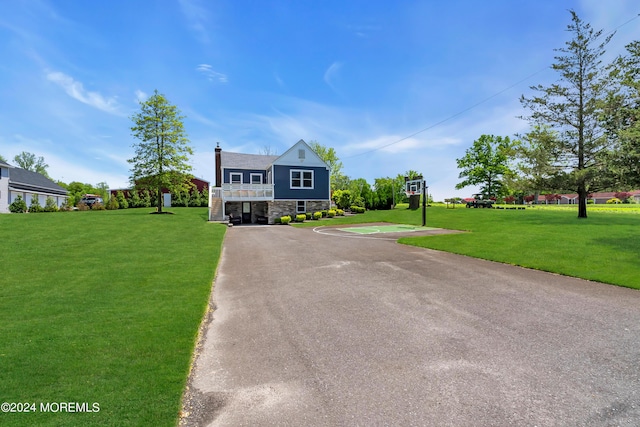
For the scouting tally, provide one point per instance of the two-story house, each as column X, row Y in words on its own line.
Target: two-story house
column 259, row 188
column 16, row 182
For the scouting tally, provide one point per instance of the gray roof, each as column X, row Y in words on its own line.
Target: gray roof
column 22, row 179
column 246, row 161
column 5, row 164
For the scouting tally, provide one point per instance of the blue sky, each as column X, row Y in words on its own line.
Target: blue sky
column 356, row 76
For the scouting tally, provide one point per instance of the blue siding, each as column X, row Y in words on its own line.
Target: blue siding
column 246, row 175
column 283, row 190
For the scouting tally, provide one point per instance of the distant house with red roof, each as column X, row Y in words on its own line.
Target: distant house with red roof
column 598, row 198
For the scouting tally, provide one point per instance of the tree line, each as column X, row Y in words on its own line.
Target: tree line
column 584, row 131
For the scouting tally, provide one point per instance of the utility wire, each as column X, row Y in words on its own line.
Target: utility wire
column 476, row 104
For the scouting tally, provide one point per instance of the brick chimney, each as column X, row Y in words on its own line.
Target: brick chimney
column 218, row 165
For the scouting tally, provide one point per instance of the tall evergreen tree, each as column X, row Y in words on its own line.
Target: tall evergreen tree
column 572, row 108
column 622, row 119
column 161, row 156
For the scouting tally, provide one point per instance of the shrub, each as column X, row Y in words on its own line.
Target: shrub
column 331, row 213
column 122, row 202
column 65, row 206
column 277, row 220
column 50, row 205
column 308, row 215
column 357, row 209
column 82, row 206
column 97, row 206
column 301, row 217
column 35, row 207
column 324, row 214
column 285, row 219
column 112, row 203
column 339, row 212
column 614, row 201
column 317, row 215
column 18, row 205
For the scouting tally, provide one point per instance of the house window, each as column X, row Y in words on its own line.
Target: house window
column 301, row 206
column 236, row 178
column 256, row 178
column 301, row 179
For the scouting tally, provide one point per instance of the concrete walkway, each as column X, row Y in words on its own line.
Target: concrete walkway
column 320, row 330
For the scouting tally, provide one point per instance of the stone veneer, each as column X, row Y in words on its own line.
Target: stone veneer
column 274, row 209
column 279, row 208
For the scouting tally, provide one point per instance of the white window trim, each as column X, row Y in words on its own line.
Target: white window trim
column 304, row 206
column 259, row 175
column 232, row 174
column 301, row 187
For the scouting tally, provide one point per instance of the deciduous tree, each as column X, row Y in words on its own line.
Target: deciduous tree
column 30, row 162
column 485, row 164
column 162, row 153
column 329, row 156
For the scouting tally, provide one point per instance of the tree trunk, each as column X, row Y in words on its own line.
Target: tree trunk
column 160, row 201
column 582, row 201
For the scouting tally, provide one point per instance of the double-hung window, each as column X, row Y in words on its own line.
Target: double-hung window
column 256, row 178
column 301, row 179
column 236, row 178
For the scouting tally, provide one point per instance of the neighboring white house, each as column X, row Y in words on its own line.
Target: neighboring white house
column 16, row 182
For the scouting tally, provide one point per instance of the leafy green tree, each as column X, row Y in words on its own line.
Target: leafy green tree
column 18, row 205
column 383, row 197
column 30, row 162
column 536, row 151
column 2, row 159
column 342, row 198
column 361, row 193
column 622, row 119
column 486, row 164
column 329, row 156
column 161, row 156
column 572, row 108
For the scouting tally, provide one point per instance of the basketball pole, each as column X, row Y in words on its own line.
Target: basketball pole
column 424, row 203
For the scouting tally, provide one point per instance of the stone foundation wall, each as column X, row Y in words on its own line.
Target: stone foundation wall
column 279, row 208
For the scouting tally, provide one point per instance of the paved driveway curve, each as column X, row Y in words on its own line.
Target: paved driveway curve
column 312, row 329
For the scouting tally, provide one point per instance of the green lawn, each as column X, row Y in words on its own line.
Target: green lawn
column 102, row 307
column 604, row 247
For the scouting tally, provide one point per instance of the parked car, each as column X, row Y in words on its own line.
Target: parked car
column 91, row 199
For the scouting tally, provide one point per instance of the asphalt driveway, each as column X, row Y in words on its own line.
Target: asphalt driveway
column 318, row 329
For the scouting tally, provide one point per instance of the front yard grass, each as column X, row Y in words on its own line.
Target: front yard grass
column 102, row 307
column 604, row 247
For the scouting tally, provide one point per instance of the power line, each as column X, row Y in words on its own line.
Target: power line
column 474, row 105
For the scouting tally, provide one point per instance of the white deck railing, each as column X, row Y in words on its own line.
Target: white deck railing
column 239, row 192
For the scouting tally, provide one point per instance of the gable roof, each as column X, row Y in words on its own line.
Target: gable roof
column 292, row 156
column 246, row 161
column 22, row 179
column 5, row 164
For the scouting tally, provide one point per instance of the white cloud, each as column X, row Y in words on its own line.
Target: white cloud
column 332, row 74
column 212, row 75
column 76, row 90
column 141, row 96
column 197, row 18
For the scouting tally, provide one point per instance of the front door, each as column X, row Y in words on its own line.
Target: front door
column 246, row 212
